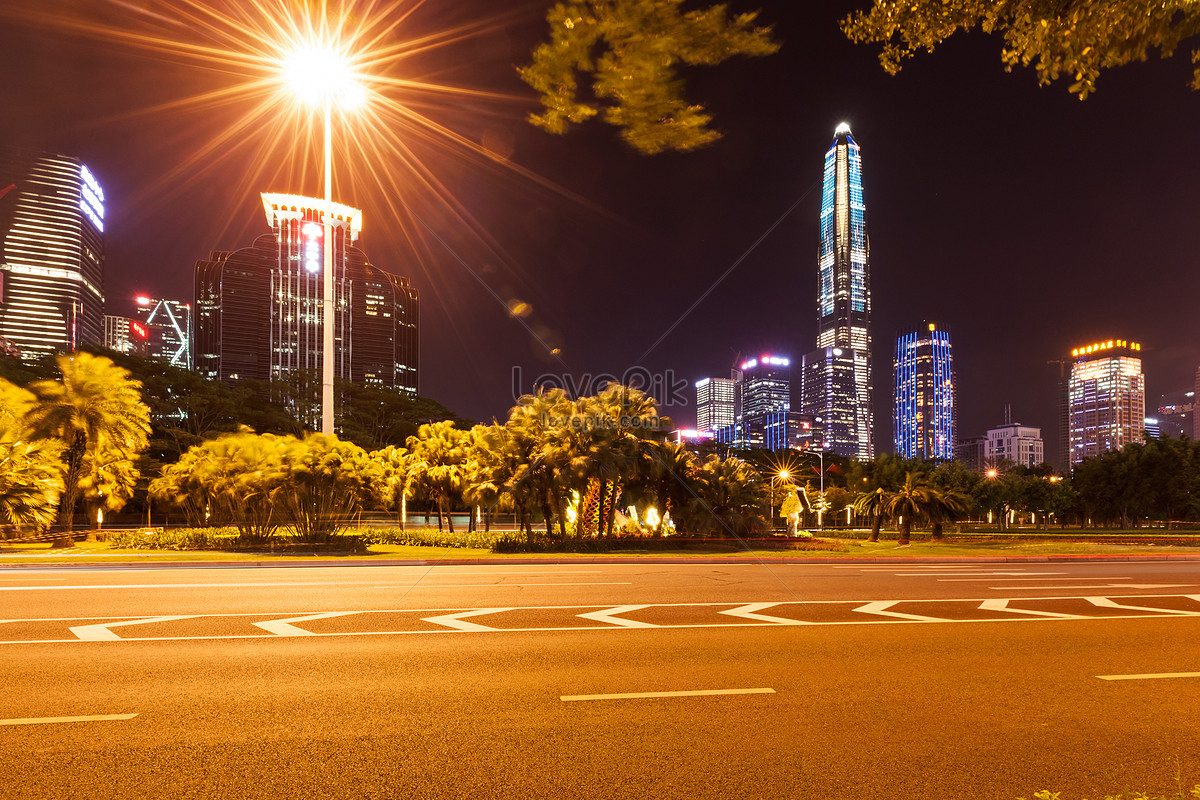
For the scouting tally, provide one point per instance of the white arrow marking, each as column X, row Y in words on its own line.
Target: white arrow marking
column 1102, row 586
column 1002, row 605
column 607, row 616
column 880, row 607
column 1104, row 602
column 750, row 612
column 284, row 627
column 456, row 620
column 101, row 632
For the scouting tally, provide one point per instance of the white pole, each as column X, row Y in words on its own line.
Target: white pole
column 327, row 300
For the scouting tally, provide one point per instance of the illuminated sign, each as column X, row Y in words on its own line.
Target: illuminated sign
column 312, row 248
column 1101, row 346
column 694, row 435
column 138, row 329
column 142, row 300
column 91, row 198
column 765, row 360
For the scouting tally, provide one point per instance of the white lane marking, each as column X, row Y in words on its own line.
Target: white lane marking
column 750, row 611
column 101, row 632
column 56, row 720
column 1149, row 676
column 424, row 585
column 456, row 621
column 881, row 607
column 32, row 578
column 566, row 698
column 939, row 574
column 606, row 615
column 999, row 604
column 1031, row 578
column 1104, row 602
column 180, row 585
column 284, row 627
column 1101, row 586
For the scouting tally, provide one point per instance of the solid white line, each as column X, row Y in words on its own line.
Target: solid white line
column 635, row 695
column 179, row 585
column 1101, row 586
column 54, row 720
column 426, row 585
column 1006, row 572
column 1149, row 676
column 1029, row 578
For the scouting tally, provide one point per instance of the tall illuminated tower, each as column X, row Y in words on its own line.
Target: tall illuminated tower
column 1107, row 396
column 51, row 252
column 836, row 380
column 925, row 420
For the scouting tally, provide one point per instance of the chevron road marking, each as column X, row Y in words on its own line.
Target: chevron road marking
column 101, row 632
column 456, row 620
column 881, row 607
column 1104, row 602
column 607, row 616
column 751, row 610
column 284, row 627
column 999, row 604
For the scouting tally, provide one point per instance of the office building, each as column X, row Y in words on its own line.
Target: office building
column 972, row 453
column 258, row 310
column 1176, row 413
column 1014, row 443
column 836, row 378
column 766, row 386
column 716, row 402
column 51, row 252
column 1107, row 398
column 123, row 334
column 925, row 416
column 168, row 326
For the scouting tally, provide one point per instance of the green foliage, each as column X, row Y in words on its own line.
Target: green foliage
column 226, row 539
column 632, row 51
column 324, row 483
column 1074, row 38
column 431, row 537
column 95, row 408
column 1046, row 794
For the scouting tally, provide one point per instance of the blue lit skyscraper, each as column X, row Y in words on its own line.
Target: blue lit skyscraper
column 925, row 418
column 836, row 377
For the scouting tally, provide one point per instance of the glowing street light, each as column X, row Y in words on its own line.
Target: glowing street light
column 319, row 75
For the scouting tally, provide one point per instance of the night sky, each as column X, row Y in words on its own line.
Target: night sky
column 1026, row 220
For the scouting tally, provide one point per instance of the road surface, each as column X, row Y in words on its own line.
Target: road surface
column 601, row 681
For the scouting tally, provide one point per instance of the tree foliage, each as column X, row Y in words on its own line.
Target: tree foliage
column 632, row 52
column 1074, row 38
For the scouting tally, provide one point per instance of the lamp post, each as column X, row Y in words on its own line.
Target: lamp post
column 318, row 74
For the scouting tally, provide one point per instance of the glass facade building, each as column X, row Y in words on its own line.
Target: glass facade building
column 168, row 330
column 258, row 310
column 51, row 253
column 837, row 376
column 925, row 418
column 1107, row 396
column 716, row 403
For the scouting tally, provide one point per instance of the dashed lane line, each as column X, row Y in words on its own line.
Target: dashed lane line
column 567, row 698
column 1149, row 676
column 59, row 720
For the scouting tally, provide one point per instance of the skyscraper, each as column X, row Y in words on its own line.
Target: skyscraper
column 258, row 309
column 51, row 252
column 765, row 386
column 925, row 419
column 716, row 403
column 168, row 330
column 836, row 379
column 1107, row 398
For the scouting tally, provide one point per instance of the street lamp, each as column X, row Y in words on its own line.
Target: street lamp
column 319, row 75
column 782, row 475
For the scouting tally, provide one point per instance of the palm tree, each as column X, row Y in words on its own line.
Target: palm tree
column 441, row 450
column 731, row 499
column 873, row 504
column 95, row 406
column 913, row 499
column 948, row 506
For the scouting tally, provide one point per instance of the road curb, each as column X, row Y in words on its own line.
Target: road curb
column 452, row 562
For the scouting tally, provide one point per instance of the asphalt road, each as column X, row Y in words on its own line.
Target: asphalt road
column 514, row 681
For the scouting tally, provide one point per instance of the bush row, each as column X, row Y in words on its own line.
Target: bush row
column 229, row 539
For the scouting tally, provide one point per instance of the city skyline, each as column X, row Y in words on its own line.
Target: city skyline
column 1021, row 208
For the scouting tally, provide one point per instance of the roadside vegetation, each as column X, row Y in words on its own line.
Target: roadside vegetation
column 81, row 437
